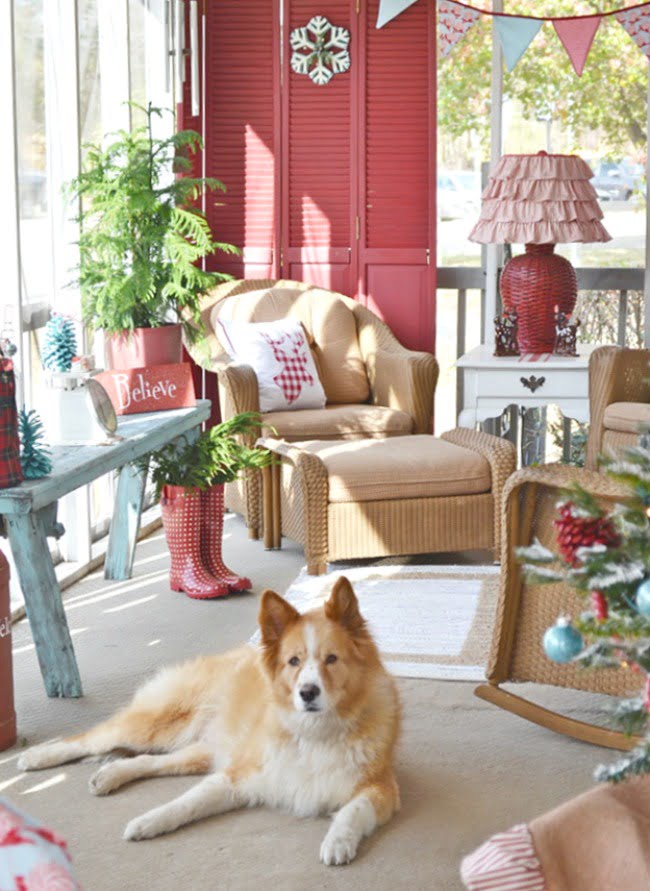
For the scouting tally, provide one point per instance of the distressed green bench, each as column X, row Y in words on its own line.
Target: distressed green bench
column 29, row 513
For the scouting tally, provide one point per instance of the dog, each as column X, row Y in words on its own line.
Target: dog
column 307, row 722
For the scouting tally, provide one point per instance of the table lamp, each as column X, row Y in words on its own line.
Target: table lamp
column 539, row 201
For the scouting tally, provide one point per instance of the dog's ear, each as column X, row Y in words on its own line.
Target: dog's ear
column 343, row 607
column 274, row 618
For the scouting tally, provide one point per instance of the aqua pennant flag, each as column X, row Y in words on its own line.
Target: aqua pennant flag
column 390, row 9
column 516, row 34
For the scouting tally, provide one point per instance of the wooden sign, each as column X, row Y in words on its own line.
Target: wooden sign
column 156, row 388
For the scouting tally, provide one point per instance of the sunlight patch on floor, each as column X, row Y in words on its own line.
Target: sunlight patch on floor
column 46, row 784
column 123, row 606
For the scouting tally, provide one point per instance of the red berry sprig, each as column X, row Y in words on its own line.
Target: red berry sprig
column 575, row 532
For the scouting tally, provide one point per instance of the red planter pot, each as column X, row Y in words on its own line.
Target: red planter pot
column 143, row 347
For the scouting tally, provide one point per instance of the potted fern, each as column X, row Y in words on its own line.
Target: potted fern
column 142, row 238
column 189, row 480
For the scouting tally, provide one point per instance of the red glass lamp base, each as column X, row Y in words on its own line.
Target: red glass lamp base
column 533, row 284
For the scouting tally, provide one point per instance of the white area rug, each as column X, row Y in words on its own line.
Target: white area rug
column 428, row 621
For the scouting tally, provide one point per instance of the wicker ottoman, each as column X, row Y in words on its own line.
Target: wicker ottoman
column 375, row 498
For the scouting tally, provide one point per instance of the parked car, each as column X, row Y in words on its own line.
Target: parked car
column 459, row 194
column 618, row 179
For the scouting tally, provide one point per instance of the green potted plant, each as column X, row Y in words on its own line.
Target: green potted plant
column 143, row 236
column 189, row 480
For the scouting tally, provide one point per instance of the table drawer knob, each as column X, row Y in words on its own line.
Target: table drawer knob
column 533, row 383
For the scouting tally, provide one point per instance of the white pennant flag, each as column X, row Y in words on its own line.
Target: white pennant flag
column 454, row 21
column 636, row 22
column 390, row 9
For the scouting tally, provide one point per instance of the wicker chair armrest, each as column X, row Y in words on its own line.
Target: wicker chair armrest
column 565, row 476
column 601, row 387
column 314, row 482
column 405, row 381
column 501, row 455
column 238, row 384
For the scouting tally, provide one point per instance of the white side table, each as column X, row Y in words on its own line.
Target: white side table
column 492, row 383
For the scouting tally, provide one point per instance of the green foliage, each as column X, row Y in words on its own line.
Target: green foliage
column 143, row 233
column 35, row 456
column 60, row 344
column 611, row 95
column 219, row 455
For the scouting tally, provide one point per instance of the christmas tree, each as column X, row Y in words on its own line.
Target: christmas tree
column 606, row 558
column 60, row 344
column 34, row 454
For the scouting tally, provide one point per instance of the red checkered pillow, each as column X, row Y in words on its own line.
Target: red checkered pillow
column 279, row 354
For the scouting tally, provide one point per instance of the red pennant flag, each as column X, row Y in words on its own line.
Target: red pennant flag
column 577, row 35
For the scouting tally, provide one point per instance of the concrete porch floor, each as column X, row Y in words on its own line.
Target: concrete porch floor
column 466, row 769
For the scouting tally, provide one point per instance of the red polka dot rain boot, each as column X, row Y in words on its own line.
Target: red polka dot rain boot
column 211, row 538
column 181, row 514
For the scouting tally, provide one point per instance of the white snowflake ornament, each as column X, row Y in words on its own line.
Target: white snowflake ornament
column 320, row 50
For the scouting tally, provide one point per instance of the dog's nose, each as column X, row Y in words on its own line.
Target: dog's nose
column 309, row 692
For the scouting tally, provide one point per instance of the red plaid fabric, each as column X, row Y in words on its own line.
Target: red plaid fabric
column 10, row 470
column 294, row 367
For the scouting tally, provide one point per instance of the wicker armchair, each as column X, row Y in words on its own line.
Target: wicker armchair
column 619, row 399
column 374, row 386
column 526, row 610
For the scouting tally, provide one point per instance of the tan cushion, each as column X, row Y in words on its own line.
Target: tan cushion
column 411, row 467
column 339, row 422
column 330, row 327
column 626, row 417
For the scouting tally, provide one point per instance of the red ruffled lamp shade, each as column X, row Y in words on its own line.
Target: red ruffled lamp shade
column 539, row 201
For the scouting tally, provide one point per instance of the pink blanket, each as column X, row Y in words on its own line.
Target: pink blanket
column 597, row 841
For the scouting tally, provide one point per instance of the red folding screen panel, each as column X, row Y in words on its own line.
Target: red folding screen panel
column 330, row 184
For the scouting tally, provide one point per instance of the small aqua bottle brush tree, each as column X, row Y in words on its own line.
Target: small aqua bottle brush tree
column 59, row 344
column 35, row 457
column 605, row 556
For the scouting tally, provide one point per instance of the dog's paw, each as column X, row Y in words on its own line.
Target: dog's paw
column 40, row 757
column 145, row 826
column 107, row 779
column 338, row 847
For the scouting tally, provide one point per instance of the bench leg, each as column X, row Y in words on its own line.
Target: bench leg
column 125, row 523
column 43, row 603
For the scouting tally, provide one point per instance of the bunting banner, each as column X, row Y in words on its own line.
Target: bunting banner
column 637, row 24
column 516, row 32
column 390, row 9
column 577, row 35
column 454, row 21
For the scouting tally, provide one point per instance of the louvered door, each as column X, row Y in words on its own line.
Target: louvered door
column 242, row 107
column 397, row 164
column 328, row 184
column 318, row 161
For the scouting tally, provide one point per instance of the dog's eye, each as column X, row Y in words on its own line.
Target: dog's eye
column 331, row 659
column 294, row 660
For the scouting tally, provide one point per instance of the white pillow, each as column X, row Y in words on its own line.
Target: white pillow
column 280, row 356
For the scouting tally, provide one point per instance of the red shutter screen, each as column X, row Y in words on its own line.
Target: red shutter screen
column 397, row 253
column 241, row 105
column 318, row 198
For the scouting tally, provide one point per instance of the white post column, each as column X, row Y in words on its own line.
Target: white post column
column 113, row 25
column 646, row 275
column 158, row 63
column 494, row 252
column 12, row 297
column 63, row 152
